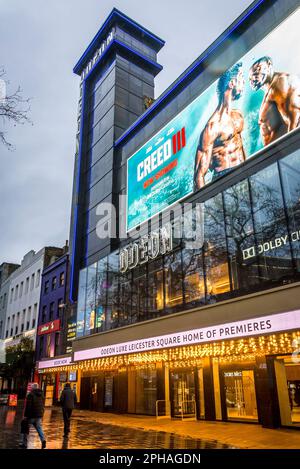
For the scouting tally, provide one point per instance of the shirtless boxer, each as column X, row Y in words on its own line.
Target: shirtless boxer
column 220, row 146
column 280, row 109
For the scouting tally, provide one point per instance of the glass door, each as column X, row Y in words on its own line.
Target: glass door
column 287, row 373
column 240, row 395
column 183, row 393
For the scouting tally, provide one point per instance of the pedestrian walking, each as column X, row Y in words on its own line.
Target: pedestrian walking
column 33, row 413
column 68, row 400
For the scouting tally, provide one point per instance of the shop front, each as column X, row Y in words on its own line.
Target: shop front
column 54, row 374
column 254, row 378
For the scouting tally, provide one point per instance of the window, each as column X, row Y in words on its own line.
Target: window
column 6, row 334
column 29, row 316
column 33, row 323
column 62, row 279
column 290, row 171
column 215, row 250
column 16, row 291
column 32, row 282
column 27, row 285
column 173, row 275
column 11, row 295
column 155, row 287
column 16, row 330
column 41, row 348
column 57, row 351
column 44, row 314
column 21, row 289
column 240, row 237
column 270, row 225
column 37, row 280
column 27, row 325
column 46, row 287
column 194, row 288
column 22, row 327
column 54, row 281
column 48, row 345
column 60, row 306
column 51, row 312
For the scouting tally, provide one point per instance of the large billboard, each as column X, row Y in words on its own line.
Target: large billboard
column 249, row 107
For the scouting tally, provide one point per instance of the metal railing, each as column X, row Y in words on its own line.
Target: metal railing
column 189, row 415
column 167, row 409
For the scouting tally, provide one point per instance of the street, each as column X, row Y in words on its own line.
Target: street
column 88, row 433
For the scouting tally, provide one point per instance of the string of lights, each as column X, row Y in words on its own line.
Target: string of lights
column 246, row 349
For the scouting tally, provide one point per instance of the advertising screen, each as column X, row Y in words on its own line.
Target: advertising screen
column 250, row 106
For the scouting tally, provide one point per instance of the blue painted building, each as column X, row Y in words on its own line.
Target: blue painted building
column 51, row 338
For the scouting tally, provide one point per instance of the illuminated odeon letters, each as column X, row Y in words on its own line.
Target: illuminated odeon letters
column 149, row 247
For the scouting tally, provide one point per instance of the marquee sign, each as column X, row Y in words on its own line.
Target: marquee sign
column 233, row 330
column 55, row 362
column 98, row 54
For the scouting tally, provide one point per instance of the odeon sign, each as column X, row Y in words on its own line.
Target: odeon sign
column 228, row 331
column 157, row 243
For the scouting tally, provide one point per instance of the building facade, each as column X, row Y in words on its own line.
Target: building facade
column 190, row 306
column 6, row 269
column 24, row 296
column 55, row 331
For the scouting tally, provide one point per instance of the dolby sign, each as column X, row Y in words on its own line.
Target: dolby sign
column 271, row 245
column 157, row 243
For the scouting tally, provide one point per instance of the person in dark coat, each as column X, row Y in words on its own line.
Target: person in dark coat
column 68, row 400
column 33, row 413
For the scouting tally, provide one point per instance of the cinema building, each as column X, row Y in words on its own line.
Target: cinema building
column 210, row 331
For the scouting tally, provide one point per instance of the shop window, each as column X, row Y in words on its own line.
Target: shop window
column 240, row 395
column 215, row 250
column 146, row 391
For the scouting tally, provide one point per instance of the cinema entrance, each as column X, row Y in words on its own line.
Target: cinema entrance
column 187, row 393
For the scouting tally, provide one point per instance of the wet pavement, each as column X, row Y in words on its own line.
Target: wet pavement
column 89, row 433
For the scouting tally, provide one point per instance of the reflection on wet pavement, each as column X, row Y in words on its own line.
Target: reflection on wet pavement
column 89, row 434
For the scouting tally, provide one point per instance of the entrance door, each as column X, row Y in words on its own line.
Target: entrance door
column 183, row 393
column 240, row 395
column 287, row 373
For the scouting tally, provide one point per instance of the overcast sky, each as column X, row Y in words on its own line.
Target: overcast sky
column 40, row 43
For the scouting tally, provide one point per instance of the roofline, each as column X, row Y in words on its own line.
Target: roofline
column 61, row 260
column 114, row 14
column 184, row 76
